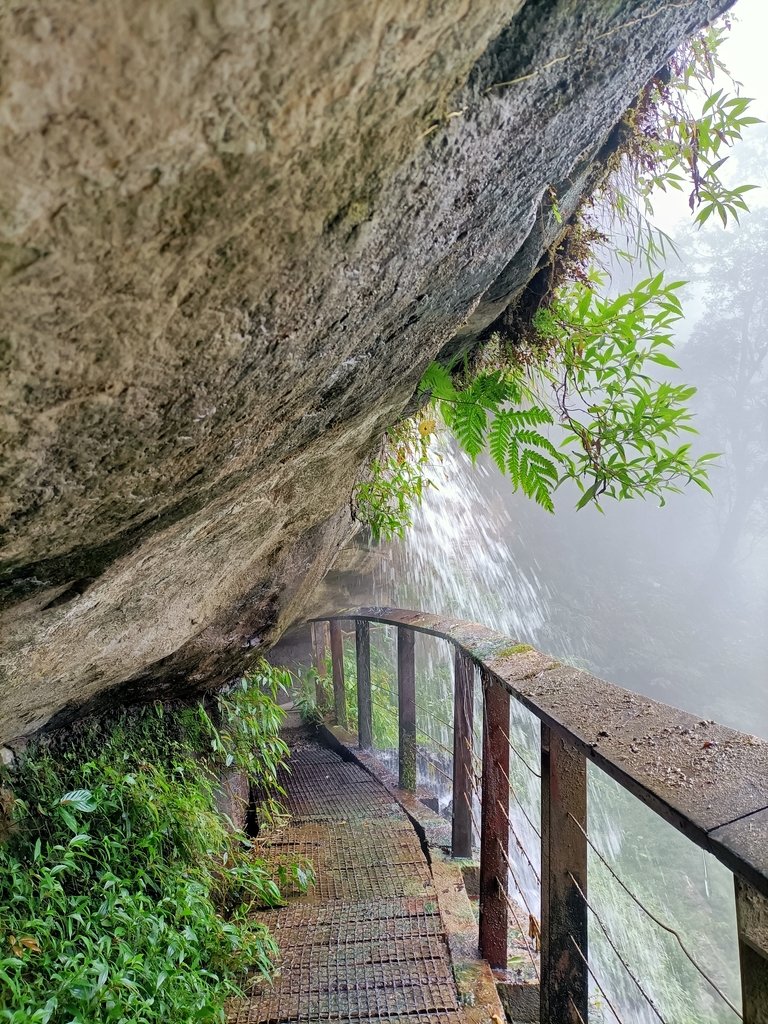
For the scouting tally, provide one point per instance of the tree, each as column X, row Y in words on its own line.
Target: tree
column 729, row 349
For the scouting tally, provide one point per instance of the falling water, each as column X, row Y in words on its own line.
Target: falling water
column 670, row 602
column 598, row 593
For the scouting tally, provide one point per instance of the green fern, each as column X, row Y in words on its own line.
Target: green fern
column 468, row 420
column 437, row 382
column 482, row 416
column 617, row 420
column 498, row 439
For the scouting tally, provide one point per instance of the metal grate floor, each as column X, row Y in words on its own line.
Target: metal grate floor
column 326, row 847
column 367, row 942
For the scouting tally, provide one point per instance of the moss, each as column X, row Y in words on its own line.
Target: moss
column 514, row 649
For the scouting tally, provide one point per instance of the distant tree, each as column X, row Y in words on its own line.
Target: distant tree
column 729, row 361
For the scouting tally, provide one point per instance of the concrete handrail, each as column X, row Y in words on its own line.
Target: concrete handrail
column 709, row 781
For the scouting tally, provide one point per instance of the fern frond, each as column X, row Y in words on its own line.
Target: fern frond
column 469, row 422
column 535, row 439
column 498, row 439
column 488, row 389
column 514, row 390
column 535, row 416
column 542, row 496
column 438, row 383
column 513, row 463
column 528, row 479
column 543, row 466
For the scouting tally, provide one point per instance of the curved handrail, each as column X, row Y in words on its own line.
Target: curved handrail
column 709, row 781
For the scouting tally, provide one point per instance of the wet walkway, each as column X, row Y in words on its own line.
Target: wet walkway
column 367, row 942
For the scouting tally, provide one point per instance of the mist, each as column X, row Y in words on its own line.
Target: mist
column 671, row 601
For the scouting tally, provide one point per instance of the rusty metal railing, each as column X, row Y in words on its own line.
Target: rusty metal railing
column 708, row 781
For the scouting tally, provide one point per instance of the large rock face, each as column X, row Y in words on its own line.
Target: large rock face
column 232, row 235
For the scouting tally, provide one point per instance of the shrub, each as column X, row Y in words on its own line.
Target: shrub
column 572, row 355
column 124, row 896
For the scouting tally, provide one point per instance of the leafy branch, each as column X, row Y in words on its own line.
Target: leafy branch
column 618, row 424
column 396, row 480
column 675, row 142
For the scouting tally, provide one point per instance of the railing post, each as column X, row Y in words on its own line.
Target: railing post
column 364, row 722
column 463, row 711
column 752, row 923
column 406, row 693
column 494, row 822
column 337, row 665
column 564, row 975
column 318, row 656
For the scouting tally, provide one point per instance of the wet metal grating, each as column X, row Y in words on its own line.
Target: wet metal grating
column 376, row 1001
column 367, row 942
column 336, row 801
column 324, row 775
column 326, row 846
column 313, row 754
column 407, row 949
column 301, row 914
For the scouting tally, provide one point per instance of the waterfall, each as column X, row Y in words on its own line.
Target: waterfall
column 589, row 590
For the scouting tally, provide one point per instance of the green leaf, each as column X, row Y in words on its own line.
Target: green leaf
column 588, row 495
column 498, row 440
column 663, row 360
column 79, row 800
column 468, row 422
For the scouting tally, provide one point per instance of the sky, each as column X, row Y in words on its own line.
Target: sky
column 744, row 50
column 744, row 53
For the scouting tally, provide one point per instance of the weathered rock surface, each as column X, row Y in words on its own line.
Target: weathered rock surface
column 232, row 235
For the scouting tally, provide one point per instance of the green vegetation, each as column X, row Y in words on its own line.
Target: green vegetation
column 435, row 690
column 124, row 895
column 572, row 391
column 515, row 649
column 383, row 687
column 695, row 897
column 674, row 144
column 617, row 422
column 396, row 480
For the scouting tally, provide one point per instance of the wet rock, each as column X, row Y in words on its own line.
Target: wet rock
column 232, row 237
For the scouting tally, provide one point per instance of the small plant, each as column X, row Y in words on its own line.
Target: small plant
column 677, row 147
column 674, row 137
column 306, row 698
column 124, row 896
column 248, row 734
column 396, row 480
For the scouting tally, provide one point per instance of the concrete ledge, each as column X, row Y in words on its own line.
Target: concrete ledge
column 521, row 1002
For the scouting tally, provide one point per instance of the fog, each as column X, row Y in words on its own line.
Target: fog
column 671, row 602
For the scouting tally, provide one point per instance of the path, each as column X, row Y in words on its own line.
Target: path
column 367, row 942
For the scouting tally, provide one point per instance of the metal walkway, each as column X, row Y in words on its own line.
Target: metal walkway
column 367, row 942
